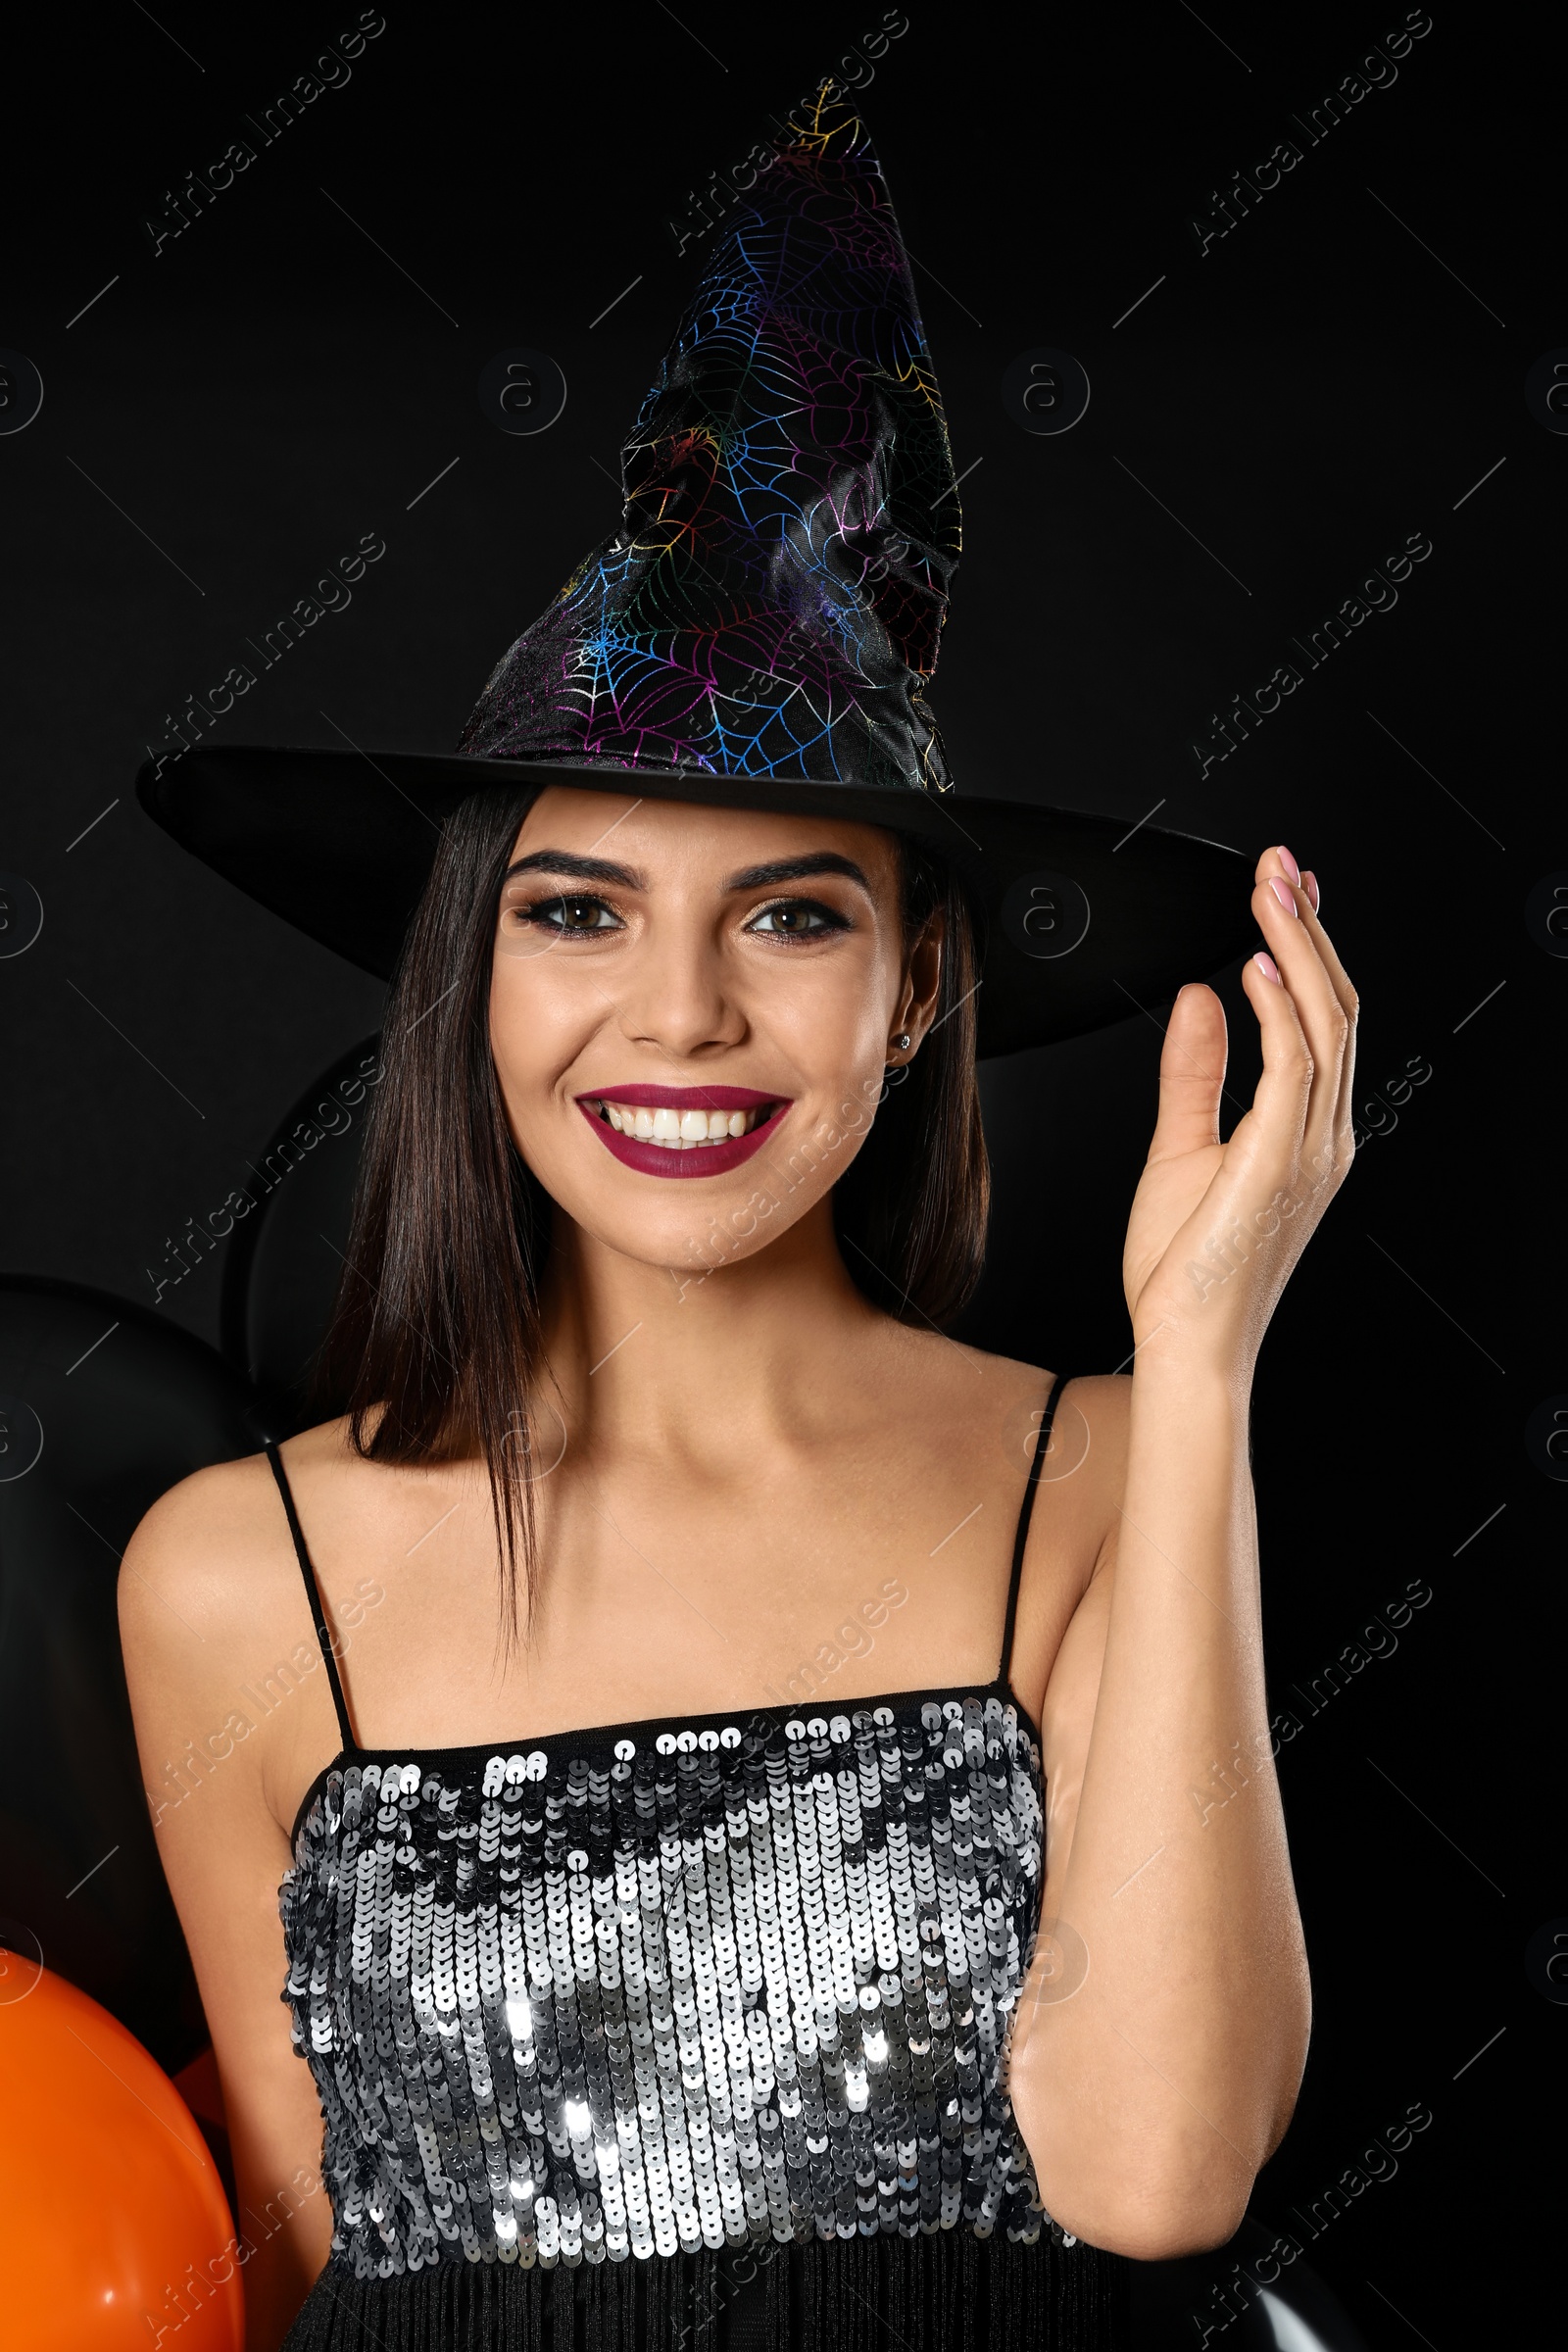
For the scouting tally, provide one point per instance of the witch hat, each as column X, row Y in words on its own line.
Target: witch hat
column 757, row 633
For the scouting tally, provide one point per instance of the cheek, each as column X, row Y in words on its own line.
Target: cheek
column 538, row 1024
column 541, row 1017
column 845, row 1043
column 829, row 1021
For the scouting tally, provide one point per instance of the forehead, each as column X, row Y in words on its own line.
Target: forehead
column 671, row 837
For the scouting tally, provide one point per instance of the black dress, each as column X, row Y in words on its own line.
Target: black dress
column 683, row 2035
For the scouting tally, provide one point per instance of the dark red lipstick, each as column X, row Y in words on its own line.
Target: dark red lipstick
column 706, row 1158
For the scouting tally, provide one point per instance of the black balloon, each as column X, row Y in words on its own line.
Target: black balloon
column 113, row 1405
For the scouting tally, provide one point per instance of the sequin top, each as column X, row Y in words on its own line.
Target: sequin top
column 722, row 1982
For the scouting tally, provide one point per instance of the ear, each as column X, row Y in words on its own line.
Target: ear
column 922, row 978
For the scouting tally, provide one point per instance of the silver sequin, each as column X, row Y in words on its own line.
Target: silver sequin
column 709, row 1986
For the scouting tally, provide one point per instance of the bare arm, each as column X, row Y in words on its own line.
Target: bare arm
column 1163, row 2030
column 203, row 1611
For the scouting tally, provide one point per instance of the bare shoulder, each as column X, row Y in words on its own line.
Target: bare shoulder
column 217, row 1631
column 1088, row 1455
column 190, row 1552
column 969, row 1393
column 1072, row 1525
column 1094, row 1405
column 1086, row 1459
column 209, row 1575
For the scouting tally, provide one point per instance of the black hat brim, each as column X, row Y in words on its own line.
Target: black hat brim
column 1087, row 920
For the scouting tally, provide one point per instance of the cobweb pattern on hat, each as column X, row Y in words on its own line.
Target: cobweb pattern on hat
column 772, row 602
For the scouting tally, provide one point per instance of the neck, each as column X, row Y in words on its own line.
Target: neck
column 698, row 1362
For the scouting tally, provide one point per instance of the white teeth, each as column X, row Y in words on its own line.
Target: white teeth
column 678, row 1130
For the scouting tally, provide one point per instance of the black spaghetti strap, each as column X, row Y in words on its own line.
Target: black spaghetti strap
column 312, row 1593
column 1025, row 1510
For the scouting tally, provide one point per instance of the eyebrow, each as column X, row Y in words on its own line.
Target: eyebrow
column 581, row 869
column 798, row 869
column 751, row 877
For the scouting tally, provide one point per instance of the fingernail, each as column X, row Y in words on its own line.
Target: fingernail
column 1269, row 968
column 1282, row 890
column 1288, row 862
column 1310, row 885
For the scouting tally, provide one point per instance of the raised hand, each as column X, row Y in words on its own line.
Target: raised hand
column 1216, row 1228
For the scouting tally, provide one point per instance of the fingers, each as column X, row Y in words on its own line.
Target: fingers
column 1348, row 1001
column 1277, row 1123
column 1308, row 901
column 1324, row 1001
column 1191, row 1073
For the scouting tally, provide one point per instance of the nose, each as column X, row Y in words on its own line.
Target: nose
column 676, row 997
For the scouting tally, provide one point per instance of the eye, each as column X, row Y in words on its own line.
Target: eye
column 797, row 918
column 570, row 916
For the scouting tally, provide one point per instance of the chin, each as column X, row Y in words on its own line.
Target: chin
column 694, row 1229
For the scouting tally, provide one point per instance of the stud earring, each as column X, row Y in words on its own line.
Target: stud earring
column 900, row 1043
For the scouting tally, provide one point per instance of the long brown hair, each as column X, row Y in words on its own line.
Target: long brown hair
column 436, row 1318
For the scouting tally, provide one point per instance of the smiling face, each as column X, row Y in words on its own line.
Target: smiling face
column 692, row 1009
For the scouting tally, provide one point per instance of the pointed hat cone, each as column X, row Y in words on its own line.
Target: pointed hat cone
column 758, row 632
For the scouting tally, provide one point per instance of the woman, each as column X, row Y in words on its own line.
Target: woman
column 746, row 1888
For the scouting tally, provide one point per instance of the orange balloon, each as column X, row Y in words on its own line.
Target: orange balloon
column 115, row 2230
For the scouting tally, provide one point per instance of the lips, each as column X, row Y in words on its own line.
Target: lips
column 690, row 1130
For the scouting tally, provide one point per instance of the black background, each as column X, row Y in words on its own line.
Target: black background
column 231, row 416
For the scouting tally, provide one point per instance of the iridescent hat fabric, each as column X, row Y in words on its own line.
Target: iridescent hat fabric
column 759, row 631
column 773, row 601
